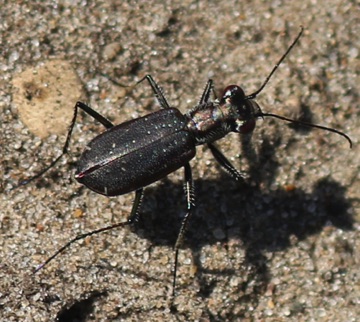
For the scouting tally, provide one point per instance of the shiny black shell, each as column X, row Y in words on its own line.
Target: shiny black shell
column 136, row 153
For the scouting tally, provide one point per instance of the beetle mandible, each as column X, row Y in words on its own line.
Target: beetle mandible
column 136, row 153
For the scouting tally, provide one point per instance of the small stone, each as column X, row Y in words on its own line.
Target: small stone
column 45, row 97
column 111, row 50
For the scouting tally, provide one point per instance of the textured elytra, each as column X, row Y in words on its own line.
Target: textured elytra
column 136, row 153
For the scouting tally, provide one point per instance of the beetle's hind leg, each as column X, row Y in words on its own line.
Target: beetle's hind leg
column 131, row 220
column 88, row 110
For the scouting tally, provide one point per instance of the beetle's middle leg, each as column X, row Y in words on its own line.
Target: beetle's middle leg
column 190, row 199
column 157, row 91
column 153, row 84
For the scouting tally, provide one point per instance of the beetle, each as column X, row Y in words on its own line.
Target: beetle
column 129, row 156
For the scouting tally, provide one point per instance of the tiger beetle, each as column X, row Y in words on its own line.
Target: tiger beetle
column 136, row 153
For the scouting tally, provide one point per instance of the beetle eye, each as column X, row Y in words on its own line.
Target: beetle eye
column 229, row 91
column 233, row 93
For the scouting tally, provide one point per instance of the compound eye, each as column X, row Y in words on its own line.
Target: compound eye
column 233, row 93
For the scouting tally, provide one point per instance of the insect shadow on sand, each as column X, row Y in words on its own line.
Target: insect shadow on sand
column 265, row 220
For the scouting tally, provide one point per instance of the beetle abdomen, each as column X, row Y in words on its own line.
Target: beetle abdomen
column 136, row 153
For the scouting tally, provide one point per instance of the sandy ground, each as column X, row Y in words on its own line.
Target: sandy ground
column 283, row 245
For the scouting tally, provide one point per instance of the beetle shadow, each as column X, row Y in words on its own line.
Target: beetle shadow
column 263, row 219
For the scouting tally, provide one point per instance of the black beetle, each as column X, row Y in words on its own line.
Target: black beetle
column 136, row 153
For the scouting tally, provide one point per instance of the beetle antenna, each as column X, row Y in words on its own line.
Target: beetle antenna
column 329, row 129
column 253, row 95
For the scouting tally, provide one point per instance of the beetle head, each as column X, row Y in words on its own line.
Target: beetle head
column 245, row 110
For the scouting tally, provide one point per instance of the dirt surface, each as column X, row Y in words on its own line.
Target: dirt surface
column 282, row 245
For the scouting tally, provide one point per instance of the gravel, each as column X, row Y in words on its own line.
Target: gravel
column 283, row 245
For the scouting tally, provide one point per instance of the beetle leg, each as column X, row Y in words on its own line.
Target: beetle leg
column 134, row 215
column 190, row 199
column 82, row 236
column 154, row 86
column 157, row 91
column 207, row 91
column 86, row 109
column 225, row 163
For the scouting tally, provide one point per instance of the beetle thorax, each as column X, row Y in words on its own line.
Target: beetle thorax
column 211, row 121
